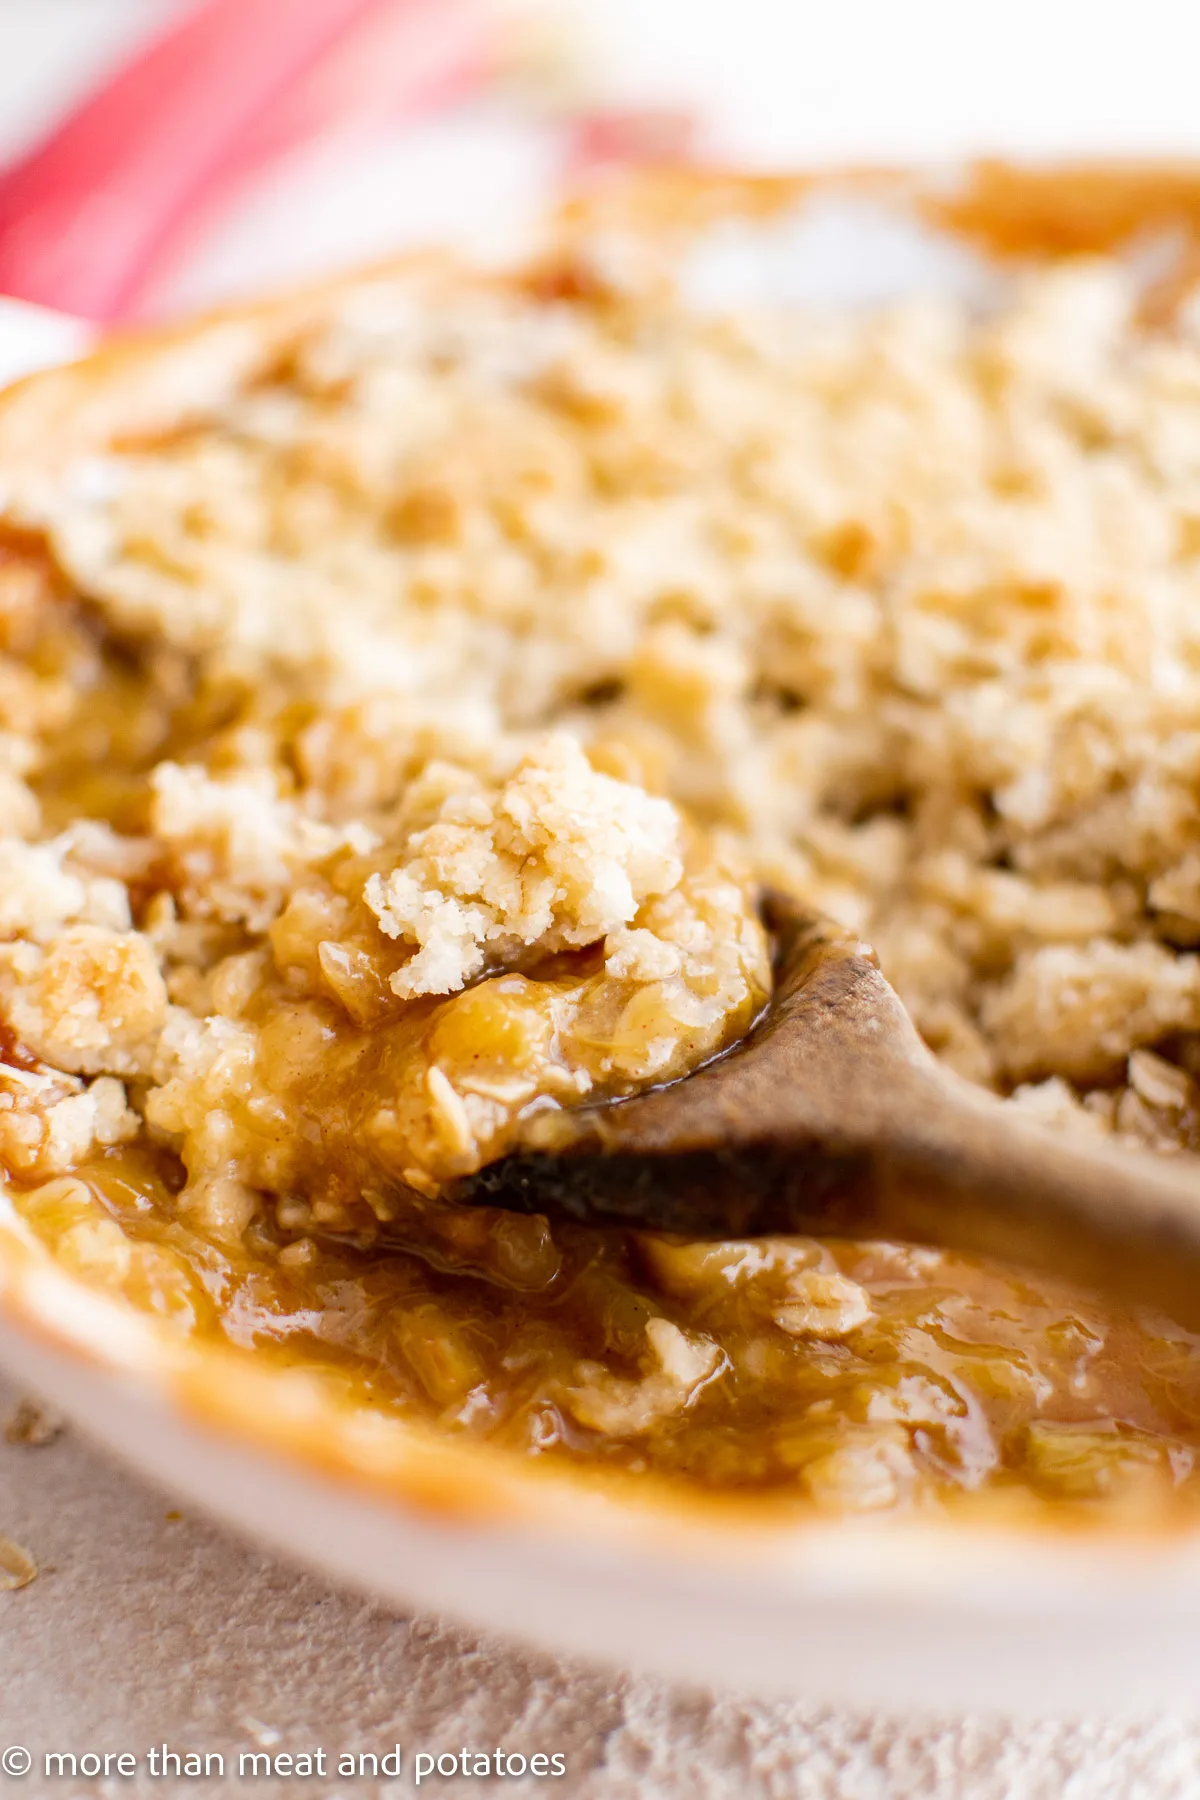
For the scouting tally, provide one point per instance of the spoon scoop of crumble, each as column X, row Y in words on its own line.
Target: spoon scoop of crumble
column 832, row 1117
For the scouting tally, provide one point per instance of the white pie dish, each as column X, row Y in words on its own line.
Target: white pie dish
column 903, row 1614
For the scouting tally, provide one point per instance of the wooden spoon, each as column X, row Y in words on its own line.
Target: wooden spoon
column 832, row 1117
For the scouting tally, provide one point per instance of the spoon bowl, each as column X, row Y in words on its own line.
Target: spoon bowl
column 832, row 1117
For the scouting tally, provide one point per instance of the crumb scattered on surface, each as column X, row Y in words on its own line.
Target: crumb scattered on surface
column 17, row 1567
column 34, row 1423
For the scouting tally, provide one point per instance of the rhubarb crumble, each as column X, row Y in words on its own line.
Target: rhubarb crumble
column 406, row 691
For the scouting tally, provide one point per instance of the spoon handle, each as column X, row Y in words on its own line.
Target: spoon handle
column 831, row 1118
column 959, row 1168
column 948, row 1166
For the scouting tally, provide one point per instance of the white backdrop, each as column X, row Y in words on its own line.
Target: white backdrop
column 775, row 81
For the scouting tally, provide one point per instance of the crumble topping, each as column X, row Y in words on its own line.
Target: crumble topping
column 235, row 843
column 92, row 1003
column 557, row 855
column 50, row 1124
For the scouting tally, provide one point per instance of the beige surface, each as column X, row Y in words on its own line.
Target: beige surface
column 143, row 1627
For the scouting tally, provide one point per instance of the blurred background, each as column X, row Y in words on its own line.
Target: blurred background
column 458, row 119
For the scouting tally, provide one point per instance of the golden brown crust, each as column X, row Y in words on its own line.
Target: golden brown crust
column 148, row 380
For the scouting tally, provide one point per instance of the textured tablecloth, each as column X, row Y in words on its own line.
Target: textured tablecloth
column 144, row 1627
